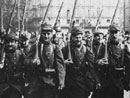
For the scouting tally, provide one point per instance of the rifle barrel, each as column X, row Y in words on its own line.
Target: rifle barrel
column 72, row 17
column 43, row 19
column 58, row 13
column 18, row 16
column 71, row 25
column 10, row 20
column 2, row 19
column 99, row 19
column 115, row 12
column 24, row 13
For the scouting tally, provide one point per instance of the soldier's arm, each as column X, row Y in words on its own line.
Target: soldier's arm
column 59, row 60
column 30, row 56
column 92, row 69
column 127, row 66
column 65, row 52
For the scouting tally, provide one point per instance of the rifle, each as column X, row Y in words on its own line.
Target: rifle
column 18, row 16
column 96, row 28
column 10, row 20
column 24, row 13
column 107, row 36
column 72, row 17
column 58, row 14
column 2, row 28
column 115, row 12
column 98, row 20
column 71, row 26
column 22, row 22
column 43, row 19
column 2, row 54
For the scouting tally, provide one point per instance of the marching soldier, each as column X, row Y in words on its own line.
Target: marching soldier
column 45, row 73
column 97, row 42
column 12, row 82
column 58, row 37
column 87, row 38
column 110, row 66
column 25, row 45
column 80, row 71
column 127, row 60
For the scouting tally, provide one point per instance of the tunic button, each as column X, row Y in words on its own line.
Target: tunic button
column 87, row 63
column 14, row 67
column 49, row 76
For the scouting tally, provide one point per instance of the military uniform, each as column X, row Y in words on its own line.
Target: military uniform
column 111, row 74
column 127, row 60
column 12, row 83
column 80, row 75
column 45, row 78
column 25, row 46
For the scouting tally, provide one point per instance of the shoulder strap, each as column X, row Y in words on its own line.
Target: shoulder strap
column 122, row 58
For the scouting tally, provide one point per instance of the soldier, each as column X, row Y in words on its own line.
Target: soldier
column 12, row 83
column 109, row 62
column 97, row 42
column 25, row 45
column 87, row 38
column 58, row 37
column 127, row 60
column 46, row 71
column 80, row 72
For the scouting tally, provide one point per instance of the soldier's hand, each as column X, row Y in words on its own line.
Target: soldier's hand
column 102, row 61
column 1, row 65
column 61, row 86
column 68, row 62
column 37, row 61
column 98, row 86
column 127, row 48
column 26, row 84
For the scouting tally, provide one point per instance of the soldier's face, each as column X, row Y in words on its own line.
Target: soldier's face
column 46, row 36
column 77, row 39
column 59, row 35
column 114, row 37
column 25, row 44
column 98, row 38
column 87, row 34
column 56, row 40
column 11, row 45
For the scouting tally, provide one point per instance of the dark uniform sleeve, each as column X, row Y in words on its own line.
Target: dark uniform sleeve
column 60, row 64
column 28, row 63
column 65, row 52
column 91, row 67
column 127, row 70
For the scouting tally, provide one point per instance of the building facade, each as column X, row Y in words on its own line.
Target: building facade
column 127, row 14
column 86, row 13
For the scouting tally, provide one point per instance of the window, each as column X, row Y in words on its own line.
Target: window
column 68, row 12
column 129, row 21
column 77, row 21
column 68, row 21
column 59, row 21
column 108, row 20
